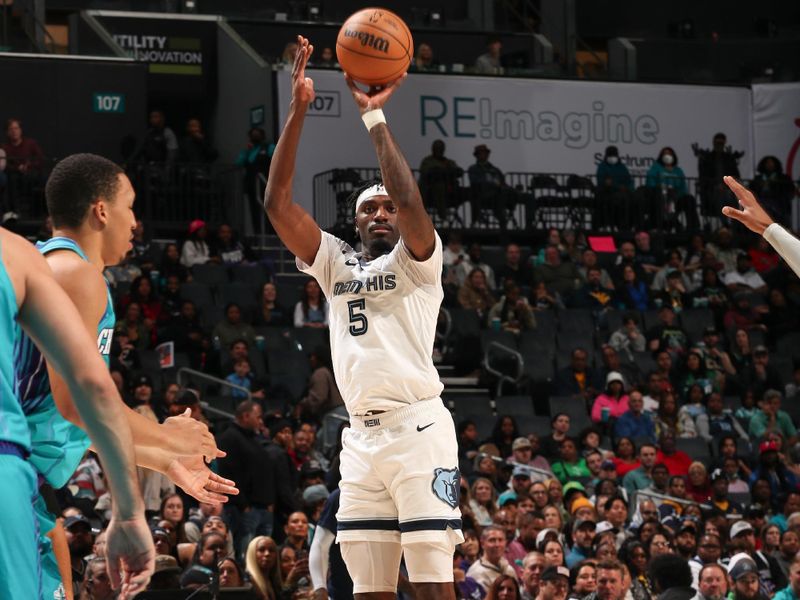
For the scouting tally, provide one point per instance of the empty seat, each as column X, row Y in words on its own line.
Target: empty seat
column 210, row 274
column 650, row 319
column 533, row 424
column 695, row 447
column 472, row 405
column 514, row 405
column 546, row 323
column 538, row 368
column 253, row 274
column 695, row 320
column 197, row 292
column 576, row 320
column 465, row 322
column 310, row 338
column 505, row 338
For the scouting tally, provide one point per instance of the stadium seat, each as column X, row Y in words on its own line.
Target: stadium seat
column 614, row 319
column 538, row 368
column 465, row 322
column 514, row 405
column 695, row 320
column 197, row 292
column 472, row 405
column 546, row 323
column 210, row 274
column 789, row 344
column 505, row 338
column 696, row 447
column 576, row 320
column 482, row 424
column 569, row 340
column 255, row 275
column 743, row 447
column 650, row 319
column 743, row 498
column 533, row 424
column 310, row 338
column 534, row 345
column 239, row 293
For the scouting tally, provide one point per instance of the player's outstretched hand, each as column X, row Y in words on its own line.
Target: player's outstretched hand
column 376, row 96
column 752, row 215
column 185, row 436
column 302, row 86
column 194, row 477
column 131, row 557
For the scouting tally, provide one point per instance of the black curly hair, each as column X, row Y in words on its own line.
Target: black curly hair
column 362, row 185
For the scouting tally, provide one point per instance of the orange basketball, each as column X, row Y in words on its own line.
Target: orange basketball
column 374, row 46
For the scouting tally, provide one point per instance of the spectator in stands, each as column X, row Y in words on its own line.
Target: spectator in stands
column 773, row 188
column 634, row 423
column 195, row 249
column 489, row 62
column 628, row 338
column 285, row 473
column 760, row 376
column 627, row 256
column 172, row 510
column 667, row 335
column 475, row 294
column 255, row 158
column 544, row 299
column 248, row 514
column 233, row 328
column 570, row 465
column 670, row 419
column 473, row 261
column 492, row 562
column 614, row 186
column 763, row 255
column 514, row 269
column 715, row 422
column 312, row 308
column 625, row 458
column 439, row 179
column 712, row 166
column 263, row 568
column 669, row 192
column 230, row 250
column 483, row 501
column 4, row 176
column 671, row 577
column 171, row 264
column 578, row 379
column 488, row 187
column 674, row 292
column 676, row 461
column 711, row 294
column 160, row 145
column 631, row 291
column 143, row 253
column 143, row 294
column 134, row 327
column 588, row 260
column 782, row 317
column 744, row 278
column 424, row 60
column 242, row 376
column 562, row 277
column 613, row 402
column 327, row 59
column 323, row 394
column 271, row 312
column 23, row 156
column 674, row 264
column 610, row 361
column 640, row 478
column 512, row 311
column 195, row 147
column 532, row 567
column 123, row 272
column 593, row 295
column 504, row 433
column 771, row 418
column 559, row 427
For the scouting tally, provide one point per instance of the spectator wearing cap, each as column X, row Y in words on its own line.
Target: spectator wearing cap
column 554, row 583
column 251, row 512
column 492, row 562
column 635, row 423
column 613, row 403
column 522, row 454
column 520, row 484
column 79, row 541
column 771, row 418
column 743, row 540
column 744, row 573
column 671, row 577
column 719, row 495
column 196, row 250
column 583, row 532
column 792, row 591
column 686, row 539
column 314, row 497
column 166, row 574
column 667, row 336
column 614, row 188
column 745, row 278
column 487, row 184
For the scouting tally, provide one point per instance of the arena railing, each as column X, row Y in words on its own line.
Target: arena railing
column 531, row 200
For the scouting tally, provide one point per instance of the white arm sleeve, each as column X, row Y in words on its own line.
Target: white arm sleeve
column 318, row 557
column 785, row 244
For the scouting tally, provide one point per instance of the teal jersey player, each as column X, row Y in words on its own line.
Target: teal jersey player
column 57, row 445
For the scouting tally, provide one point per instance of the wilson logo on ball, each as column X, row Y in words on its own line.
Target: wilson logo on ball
column 368, row 39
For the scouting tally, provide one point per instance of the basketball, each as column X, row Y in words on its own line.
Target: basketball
column 374, row 46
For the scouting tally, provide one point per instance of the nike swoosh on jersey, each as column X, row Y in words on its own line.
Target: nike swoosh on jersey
column 425, row 427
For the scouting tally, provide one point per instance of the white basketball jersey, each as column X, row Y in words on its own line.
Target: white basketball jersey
column 382, row 318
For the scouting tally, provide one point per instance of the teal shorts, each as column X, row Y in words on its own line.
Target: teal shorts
column 20, row 576
column 52, row 587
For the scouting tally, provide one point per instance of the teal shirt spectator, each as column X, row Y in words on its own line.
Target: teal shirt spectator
column 673, row 178
column 638, row 479
column 249, row 156
column 618, row 174
column 786, row 593
column 760, row 422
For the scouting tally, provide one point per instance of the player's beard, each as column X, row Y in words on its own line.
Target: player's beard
column 379, row 246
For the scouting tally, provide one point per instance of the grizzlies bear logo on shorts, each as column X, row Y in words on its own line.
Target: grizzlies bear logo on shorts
column 446, row 485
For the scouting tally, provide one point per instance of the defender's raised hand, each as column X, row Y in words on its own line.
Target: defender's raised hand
column 376, row 97
column 302, row 86
column 752, row 215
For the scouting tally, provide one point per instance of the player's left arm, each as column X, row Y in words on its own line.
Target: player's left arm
column 413, row 221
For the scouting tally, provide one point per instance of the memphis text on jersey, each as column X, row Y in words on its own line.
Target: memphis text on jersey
column 377, row 283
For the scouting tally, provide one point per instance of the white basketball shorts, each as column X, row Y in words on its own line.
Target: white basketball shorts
column 400, row 479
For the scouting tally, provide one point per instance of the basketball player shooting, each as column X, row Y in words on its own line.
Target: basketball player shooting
column 400, row 481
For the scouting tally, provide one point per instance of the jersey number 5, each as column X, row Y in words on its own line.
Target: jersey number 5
column 358, row 321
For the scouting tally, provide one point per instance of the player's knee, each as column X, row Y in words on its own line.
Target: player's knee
column 429, row 562
column 373, row 566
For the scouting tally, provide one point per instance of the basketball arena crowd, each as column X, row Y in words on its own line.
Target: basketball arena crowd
column 644, row 445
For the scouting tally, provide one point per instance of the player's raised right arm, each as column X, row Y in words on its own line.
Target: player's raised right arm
column 296, row 228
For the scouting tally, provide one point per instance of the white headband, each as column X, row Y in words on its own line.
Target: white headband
column 370, row 192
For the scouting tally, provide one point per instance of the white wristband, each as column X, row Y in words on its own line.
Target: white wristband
column 373, row 117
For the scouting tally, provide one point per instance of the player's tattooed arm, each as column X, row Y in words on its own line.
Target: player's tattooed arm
column 413, row 221
column 295, row 227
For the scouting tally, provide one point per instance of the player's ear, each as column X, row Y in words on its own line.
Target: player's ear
column 100, row 211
